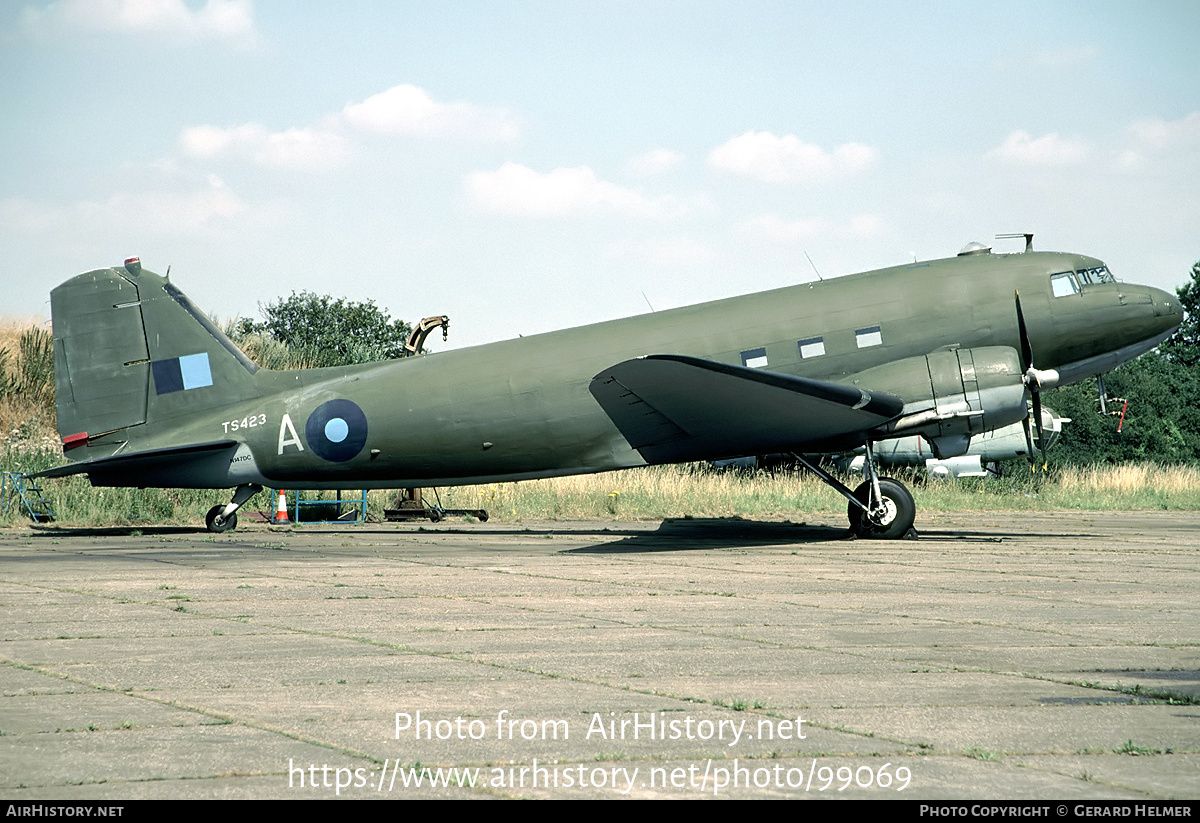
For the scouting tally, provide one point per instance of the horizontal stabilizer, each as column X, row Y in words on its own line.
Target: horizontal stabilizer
column 673, row 408
column 178, row 467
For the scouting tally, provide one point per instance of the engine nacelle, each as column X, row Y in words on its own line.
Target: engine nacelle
column 951, row 394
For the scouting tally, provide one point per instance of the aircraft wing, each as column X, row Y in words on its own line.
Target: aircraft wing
column 673, row 408
column 180, row 465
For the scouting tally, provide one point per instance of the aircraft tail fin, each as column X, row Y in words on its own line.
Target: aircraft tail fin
column 130, row 349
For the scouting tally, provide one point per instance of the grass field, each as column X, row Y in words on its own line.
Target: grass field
column 659, row 492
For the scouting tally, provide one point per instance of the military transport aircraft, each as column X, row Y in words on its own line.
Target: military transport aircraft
column 151, row 393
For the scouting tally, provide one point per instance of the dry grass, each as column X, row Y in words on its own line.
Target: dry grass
column 11, row 328
column 1131, row 478
column 26, row 416
column 650, row 494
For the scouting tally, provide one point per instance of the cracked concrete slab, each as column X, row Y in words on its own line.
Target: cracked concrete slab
column 1017, row 656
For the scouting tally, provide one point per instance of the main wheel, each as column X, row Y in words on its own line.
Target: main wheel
column 218, row 524
column 897, row 517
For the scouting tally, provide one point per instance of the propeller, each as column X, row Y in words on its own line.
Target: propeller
column 1035, row 380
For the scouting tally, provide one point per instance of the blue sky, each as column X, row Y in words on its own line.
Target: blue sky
column 524, row 166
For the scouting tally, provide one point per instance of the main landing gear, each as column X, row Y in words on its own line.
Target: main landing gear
column 223, row 518
column 880, row 507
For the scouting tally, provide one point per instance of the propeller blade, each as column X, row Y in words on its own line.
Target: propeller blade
column 1028, row 443
column 1041, row 434
column 1026, row 348
column 1033, row 386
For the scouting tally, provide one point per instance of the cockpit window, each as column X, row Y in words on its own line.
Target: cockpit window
column 1063, row 284
column 1098, row 274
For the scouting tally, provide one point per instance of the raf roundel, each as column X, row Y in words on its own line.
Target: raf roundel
column 336, row 431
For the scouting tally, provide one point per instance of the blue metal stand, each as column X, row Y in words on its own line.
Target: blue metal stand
column 16, row 486
column 356, row 513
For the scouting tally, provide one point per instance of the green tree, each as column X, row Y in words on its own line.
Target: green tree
column 1184, row 345
column 1162, row 420
column 322, row 331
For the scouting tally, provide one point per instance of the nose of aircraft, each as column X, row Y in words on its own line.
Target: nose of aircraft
column 1168, row 314
column 1165, row 304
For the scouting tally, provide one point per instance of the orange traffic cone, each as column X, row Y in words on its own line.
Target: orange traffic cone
column 281, row 515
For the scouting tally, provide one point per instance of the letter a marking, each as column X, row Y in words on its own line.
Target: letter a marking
column 287, row 429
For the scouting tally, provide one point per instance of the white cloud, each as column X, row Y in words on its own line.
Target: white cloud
column 519, row 190
column 409, row 110
column 1153, row 141
column 308, row 148
column 211, row 141
column 787, row 159
column 776, row 229
column 1166, row 134
column 168, row 209
column 219, row 19
column 657, row 161
column 401, row 110
column 172, row 210
column 301, row 148
column 1048, row 150
column 27, row 217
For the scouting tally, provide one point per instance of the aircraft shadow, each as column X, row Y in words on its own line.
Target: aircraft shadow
column 113, row 531
column 698, row 533
column 673, row 534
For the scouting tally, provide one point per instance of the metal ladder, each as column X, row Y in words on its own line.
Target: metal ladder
column 17, row 486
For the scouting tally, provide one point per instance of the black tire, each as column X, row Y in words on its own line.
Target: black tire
column 482, row 515
column 900, row 515
column 218, row 526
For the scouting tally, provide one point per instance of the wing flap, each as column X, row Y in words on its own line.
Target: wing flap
column 673, row 408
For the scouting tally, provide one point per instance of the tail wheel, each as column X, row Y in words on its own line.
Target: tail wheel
column 892, row 519
column 219, row 524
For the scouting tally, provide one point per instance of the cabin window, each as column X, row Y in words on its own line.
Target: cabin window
column 1096, row 274
column 1063, row 284
column 868, row 337
column 755, row 358
column 812, row 347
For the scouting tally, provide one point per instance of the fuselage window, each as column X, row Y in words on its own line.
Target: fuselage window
column 866, row 338
column 812, row 347
column 755, row 358
column 1063, row 284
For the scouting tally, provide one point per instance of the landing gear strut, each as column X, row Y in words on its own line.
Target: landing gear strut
column 880, row 507
column 223, row 518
